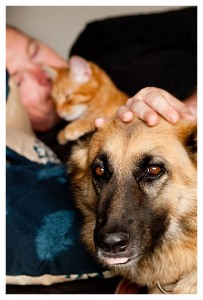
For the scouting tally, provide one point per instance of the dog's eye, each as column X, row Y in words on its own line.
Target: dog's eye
column 99, row 171
column 154, row 171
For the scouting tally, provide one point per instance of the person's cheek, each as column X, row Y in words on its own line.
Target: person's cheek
column 32, row 92
column 37, row 103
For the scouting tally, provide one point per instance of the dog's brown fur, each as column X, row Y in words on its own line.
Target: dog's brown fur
column 158, row 213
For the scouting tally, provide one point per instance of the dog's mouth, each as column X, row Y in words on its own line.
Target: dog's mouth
column 114, row 259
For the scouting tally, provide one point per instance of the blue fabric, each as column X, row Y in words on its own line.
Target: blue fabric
column 42, row 224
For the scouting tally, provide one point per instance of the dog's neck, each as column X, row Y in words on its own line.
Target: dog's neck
column 184, row 285
column 167, row 288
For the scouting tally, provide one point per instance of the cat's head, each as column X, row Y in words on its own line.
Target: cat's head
column 71, row 86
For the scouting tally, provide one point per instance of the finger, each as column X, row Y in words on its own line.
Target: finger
column 181, row 108
column 161, row 104
column 187, row 114
column 165, row 109
column 144, row 112
column 184, row 111
column 99, row 122
column 124, row 114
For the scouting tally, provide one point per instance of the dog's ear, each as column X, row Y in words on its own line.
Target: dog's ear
column 187, row 132
column 78, row 154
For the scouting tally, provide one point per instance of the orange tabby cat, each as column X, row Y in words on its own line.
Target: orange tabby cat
column 82, row 93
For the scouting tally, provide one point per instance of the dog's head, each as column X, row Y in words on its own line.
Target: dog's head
column 136, row 186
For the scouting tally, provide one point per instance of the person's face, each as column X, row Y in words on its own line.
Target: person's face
column 25, row 57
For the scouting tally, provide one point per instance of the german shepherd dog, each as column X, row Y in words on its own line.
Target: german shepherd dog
column 136, row 188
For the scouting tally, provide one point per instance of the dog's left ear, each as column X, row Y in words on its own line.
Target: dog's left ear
column 187, row 132
column 78, row 154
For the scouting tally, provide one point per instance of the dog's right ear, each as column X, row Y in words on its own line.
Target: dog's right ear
column 78, row 157
column 187, row 132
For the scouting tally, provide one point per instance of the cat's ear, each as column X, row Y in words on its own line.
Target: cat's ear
column 80, row 69
column 51, row 72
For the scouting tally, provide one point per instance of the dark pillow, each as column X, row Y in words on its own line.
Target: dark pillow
column 42, row 224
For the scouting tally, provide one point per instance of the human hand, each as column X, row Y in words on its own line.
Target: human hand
column 151, row 102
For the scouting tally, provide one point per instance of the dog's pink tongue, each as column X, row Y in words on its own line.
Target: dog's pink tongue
column 115, row 261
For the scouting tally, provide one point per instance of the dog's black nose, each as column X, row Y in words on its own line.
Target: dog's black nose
column 114, row 242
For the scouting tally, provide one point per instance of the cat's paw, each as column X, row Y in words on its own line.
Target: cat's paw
column 61, row 138
column 66, row 135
